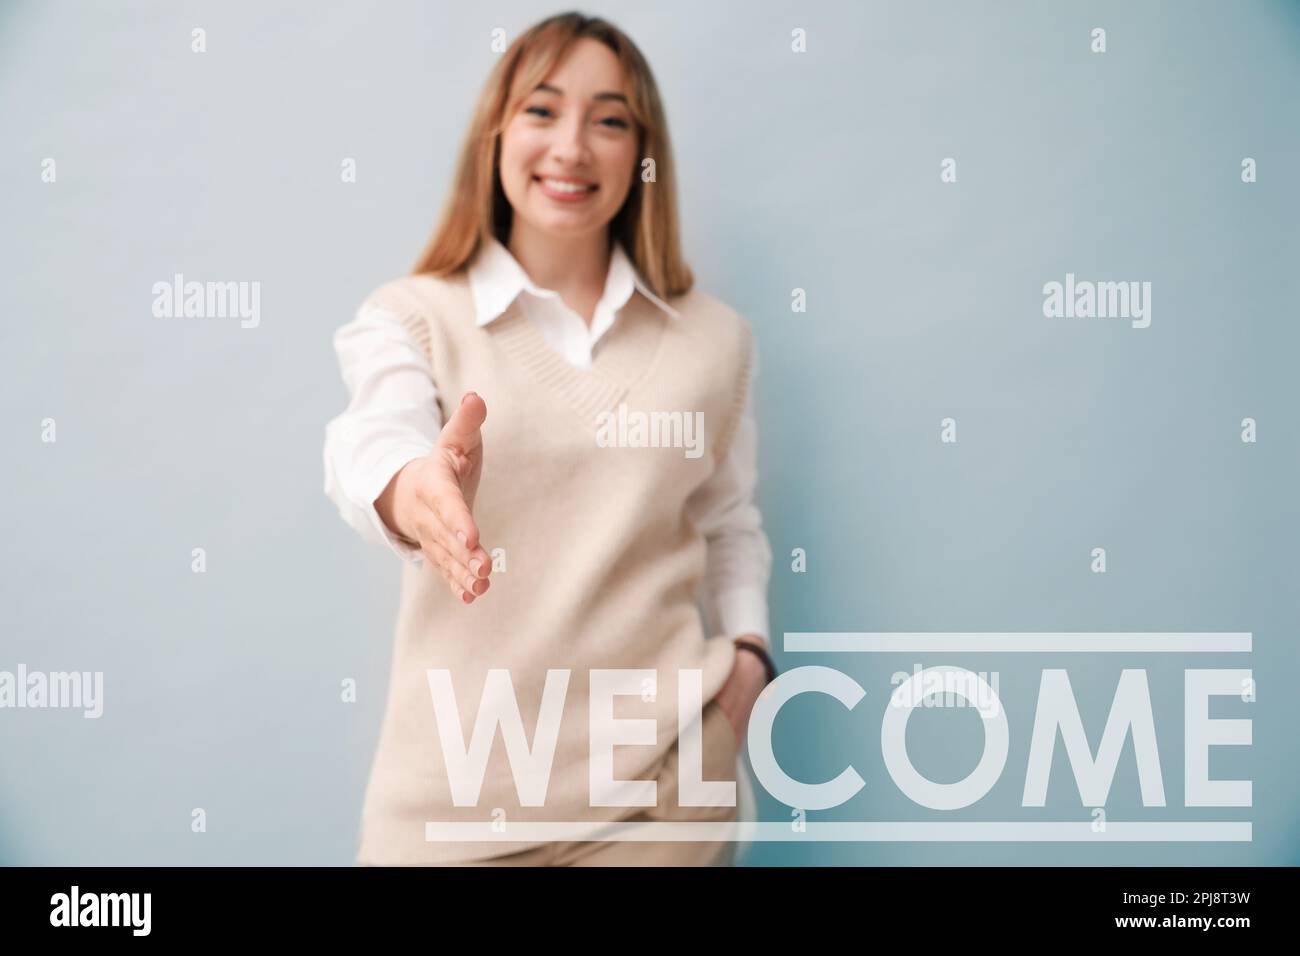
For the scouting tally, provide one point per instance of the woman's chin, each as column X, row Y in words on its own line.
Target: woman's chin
column 567, row 223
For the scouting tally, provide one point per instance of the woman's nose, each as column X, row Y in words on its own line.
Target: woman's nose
column 570, row 142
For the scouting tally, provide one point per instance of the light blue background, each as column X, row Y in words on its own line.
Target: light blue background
column 818, row 171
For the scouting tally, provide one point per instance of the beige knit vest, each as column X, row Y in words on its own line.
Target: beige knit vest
column 601, row 560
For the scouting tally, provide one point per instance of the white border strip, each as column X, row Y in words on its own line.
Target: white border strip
column 1039, row 642
column 1163, row 831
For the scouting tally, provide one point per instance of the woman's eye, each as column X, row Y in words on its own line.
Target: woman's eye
column 615, row 122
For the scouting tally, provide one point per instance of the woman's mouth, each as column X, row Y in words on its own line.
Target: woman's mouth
column 566, row 190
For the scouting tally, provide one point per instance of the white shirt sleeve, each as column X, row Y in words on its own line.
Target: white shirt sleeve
column 392, row 417
column 739, row 556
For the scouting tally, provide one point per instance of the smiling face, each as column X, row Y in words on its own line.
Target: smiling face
column 568, row 154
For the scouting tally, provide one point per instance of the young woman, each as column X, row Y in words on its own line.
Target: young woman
column 555, row 431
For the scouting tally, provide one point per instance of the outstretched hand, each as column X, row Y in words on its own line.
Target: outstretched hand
column 431, row 501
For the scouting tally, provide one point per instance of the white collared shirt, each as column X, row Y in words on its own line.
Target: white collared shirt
column 393, row 417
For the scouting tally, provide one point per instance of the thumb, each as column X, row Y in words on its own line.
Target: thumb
column 461, row 433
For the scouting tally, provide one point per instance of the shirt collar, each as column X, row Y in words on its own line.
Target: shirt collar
column 496, row 278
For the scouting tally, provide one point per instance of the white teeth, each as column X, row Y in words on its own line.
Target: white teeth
column 565, row 187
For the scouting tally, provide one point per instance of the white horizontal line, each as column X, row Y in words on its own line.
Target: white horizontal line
column 944, row 831
column 1040, row 642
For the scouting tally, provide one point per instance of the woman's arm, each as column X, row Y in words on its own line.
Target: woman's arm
column 739, row 561
column 392, row 418
column 397, row 473
column 739, row 556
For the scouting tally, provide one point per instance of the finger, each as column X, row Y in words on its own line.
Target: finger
column 476, row 559
column 457, row 572
column 448, row 513
column 461, row 433
column 463, row 596
column 436, row 560
column 452, row 570
column 428, row 533
column 480, row 563
column 458, row 592
column 452, row 511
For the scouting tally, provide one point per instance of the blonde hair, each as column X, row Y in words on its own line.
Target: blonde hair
column 477, row 208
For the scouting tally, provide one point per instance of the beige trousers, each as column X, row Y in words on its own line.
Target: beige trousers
column 719, row 763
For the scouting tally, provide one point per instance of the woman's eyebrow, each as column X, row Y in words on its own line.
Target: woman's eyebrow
column 606, row 95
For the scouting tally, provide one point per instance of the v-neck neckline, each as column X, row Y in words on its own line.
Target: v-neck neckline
column 626, row 353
